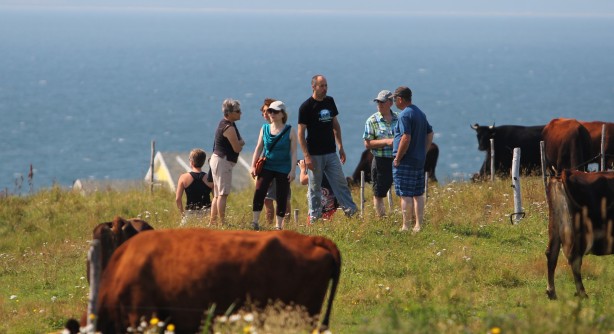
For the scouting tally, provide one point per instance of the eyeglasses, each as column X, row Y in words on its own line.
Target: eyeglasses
column 273, row 111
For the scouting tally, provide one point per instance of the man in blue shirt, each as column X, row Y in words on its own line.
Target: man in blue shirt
column 412, row 137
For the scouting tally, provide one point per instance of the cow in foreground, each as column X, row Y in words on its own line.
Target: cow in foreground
column 112, row 234
column 366, row 159
column 506, row 138
column 567, row 145
column 179, row 274
column 581, row 214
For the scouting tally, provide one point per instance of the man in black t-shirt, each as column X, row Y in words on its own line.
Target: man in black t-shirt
column 318, row 131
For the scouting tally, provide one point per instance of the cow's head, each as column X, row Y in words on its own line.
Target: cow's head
column 484, row 134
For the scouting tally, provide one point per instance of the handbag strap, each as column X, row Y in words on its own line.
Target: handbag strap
column 277, row 138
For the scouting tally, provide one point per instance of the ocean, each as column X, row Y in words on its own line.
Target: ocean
column 83, row 93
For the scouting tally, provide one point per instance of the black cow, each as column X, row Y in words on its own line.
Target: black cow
column 508, row 137
column 366, row 158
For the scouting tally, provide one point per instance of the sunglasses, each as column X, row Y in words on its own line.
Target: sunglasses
column 273, row 111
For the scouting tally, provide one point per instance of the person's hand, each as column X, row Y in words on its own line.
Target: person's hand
column 342, row 155
column 309, row 163
column 291, row 176
column 395, row 162
column 252, row 172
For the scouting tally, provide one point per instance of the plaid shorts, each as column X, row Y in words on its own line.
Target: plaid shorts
column 408, row 181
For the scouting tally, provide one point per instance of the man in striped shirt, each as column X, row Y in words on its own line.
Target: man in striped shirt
column 378, row 137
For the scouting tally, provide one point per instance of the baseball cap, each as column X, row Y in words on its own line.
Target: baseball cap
column 383, row 96
column 278, row 105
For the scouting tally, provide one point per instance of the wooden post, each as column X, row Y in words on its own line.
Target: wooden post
column 603, row 147
column 492, row 159
column 362, row 193
column 95, row 260
column 518, row 214
column 151, row 165
column 296, row 216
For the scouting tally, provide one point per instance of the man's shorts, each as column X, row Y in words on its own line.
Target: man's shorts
column 381, row 176
column 408, row 181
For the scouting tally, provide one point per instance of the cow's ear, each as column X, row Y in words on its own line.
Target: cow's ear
column 118, row 224
column 475, row 126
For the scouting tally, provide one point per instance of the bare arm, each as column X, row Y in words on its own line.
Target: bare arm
column 293, row 139
column 303, row 177
column 429, row 141
column 303, row 142
column 256, row 155
column 231, row 134
column 378, row 143
column 179, row 193
column 337, row 132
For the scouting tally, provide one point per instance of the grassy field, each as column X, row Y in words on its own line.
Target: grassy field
column 468, row 271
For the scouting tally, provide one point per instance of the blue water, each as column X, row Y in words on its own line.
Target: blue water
column 83, row 93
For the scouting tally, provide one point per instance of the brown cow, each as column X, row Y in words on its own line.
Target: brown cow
column 594, row 129
column 112, row 234
column 179, row 274
column 581, row 210
column 366, row 158
column 567, row 145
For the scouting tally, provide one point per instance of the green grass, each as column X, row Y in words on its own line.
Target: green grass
column 468, row 271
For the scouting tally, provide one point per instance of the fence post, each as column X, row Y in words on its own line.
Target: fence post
column 603, row 147
column 518, row 213
column 151, row 165
column 492, row 159
column 95, row 260
column 296, row 216
column 362, row 193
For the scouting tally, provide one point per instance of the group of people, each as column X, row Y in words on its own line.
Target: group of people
column 398, row 141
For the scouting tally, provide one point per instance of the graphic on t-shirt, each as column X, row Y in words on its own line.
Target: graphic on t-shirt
column 325, row 115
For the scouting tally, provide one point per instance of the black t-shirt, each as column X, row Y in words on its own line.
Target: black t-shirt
column 318, row 118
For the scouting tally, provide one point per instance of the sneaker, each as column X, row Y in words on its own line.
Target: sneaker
column 277, row 228
column 255, row 226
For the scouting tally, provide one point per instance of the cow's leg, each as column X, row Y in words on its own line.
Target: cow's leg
column 576, row 266
column 552, row 256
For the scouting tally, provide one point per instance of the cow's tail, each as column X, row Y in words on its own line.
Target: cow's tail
column 334, row 252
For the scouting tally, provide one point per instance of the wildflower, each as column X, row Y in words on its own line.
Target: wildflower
column 248, row 317
column 170, row 327
column 13, row 297
column 247, row 329
column 153, row 321
column 495, row 330
column 53, row 299
column 234, row 318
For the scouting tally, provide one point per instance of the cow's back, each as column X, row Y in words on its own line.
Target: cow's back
column 181, row 273
column 567, row 144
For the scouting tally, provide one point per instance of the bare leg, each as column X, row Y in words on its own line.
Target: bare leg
column 221, row 207
column 270, row 210
column 378, row 204
column 419, row 207
column 407, row 208
column 213, row 219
